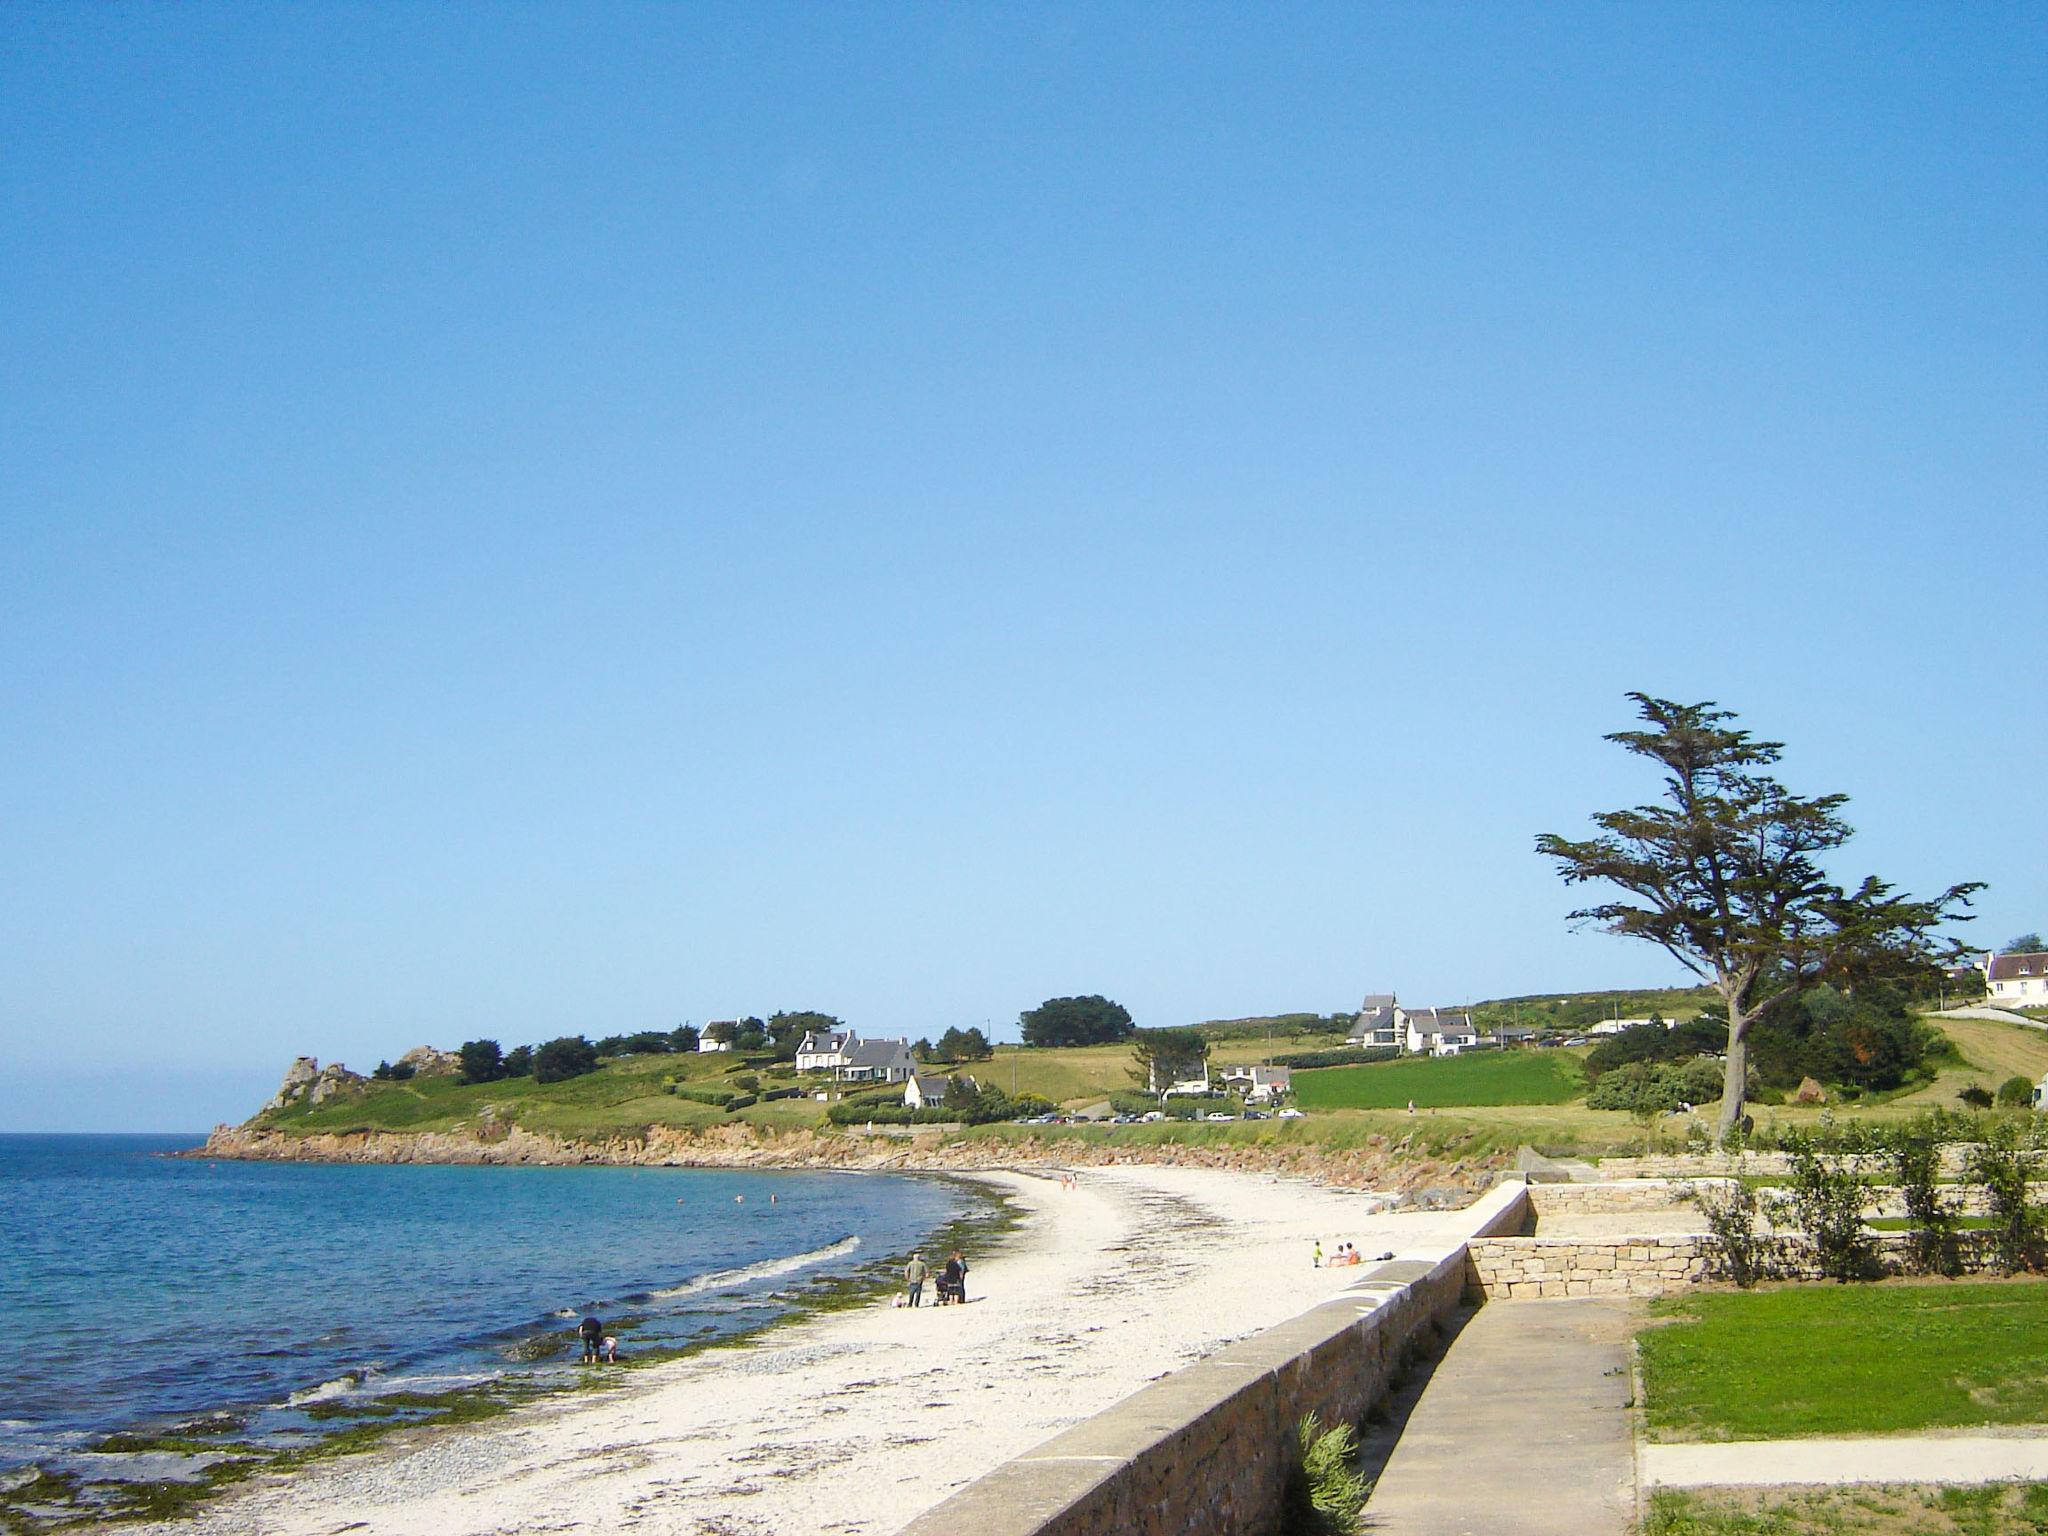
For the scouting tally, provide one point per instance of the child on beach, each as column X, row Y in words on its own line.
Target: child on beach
column 611, row 1350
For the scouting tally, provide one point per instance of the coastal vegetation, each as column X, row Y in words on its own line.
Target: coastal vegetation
column 1090, row 1020
column 1845, row 1360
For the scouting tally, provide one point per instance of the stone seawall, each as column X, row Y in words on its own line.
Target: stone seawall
column 1207, row 1450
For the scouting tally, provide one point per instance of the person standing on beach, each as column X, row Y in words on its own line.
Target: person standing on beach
column 591, row 1331
column 915, row 1274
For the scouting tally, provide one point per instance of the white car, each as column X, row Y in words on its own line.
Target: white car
column 1217, row 1114
column 1290, row 1114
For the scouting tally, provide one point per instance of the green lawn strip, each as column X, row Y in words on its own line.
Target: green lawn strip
column 1995, row 1509
column 1494, row 1077
column 1844, row 1360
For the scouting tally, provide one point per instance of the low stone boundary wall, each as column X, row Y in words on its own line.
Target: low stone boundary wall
column 1622, row 1195
column 1206, row 1451
column 1518, row 1268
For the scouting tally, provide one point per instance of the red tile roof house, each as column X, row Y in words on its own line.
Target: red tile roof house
column 2017, row 981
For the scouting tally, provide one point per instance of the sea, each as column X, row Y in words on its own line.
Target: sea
column 148, row 1294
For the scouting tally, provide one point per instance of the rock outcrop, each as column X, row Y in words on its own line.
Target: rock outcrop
column 426, row 1061
column 306, row 1079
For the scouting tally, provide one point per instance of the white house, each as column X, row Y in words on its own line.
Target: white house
column 2017, row 981
column 928, row 1091
column 1616, row 1026
column 1436, row 1031
column 726, row 1027
column 825, row 1050
column 1259, row 1084
column 1376, row 1024
column 878, row 1061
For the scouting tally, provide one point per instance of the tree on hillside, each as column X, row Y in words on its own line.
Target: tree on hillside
column 519, row 1061
column 1089, row 1020
column 963, row 1045
column 1725, row 876
column 683, row 1038
column 482, row 1062
column 2025, row 944
column 559, row 1060
column 787, row 1030
column 1167, row 1056
column 721, row 1032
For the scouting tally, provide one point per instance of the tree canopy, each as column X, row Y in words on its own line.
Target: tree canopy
column 962, row 1045
column 482, row 1062
column 2025, row 944
column 567, row 1057
column 1167, row 1056
column 1090, row 1020
column 1725, row 874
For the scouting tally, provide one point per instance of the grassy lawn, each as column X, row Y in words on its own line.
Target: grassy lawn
column 1998, row 1509
column 1842, row 1360
column 1992, row 1051
column 1490, row 1077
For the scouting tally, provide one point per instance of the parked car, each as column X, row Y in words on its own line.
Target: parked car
column 1149, row 1116
column 1217, row 1114
column 1255, row 1114
column 1290, row 1113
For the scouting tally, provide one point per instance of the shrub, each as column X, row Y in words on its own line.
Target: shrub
column 1824, row 1199
column 1643, row 1087
column 781, row 1093
column 1913, row 1154
column 2002, row 1163
column 2016, row 1092
column 1345, row 1056
column 719, row 1097
column 1324, row 1492
column 739, row 1102
column 385, row 1072
column 1128, row 1101
column 1732, row 1214
column 746, row 1081
column 1976, row 1096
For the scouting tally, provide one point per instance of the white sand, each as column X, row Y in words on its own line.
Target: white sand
column 859, row 1421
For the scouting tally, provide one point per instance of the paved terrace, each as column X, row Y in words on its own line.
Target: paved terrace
column 1522, row 1428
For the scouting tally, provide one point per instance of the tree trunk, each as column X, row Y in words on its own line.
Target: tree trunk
column 1735, row 1081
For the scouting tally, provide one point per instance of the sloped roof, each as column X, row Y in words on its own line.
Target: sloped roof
column 879, row 1053
column 2012, row 967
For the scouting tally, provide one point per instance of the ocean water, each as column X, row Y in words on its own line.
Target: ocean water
column 143, row 1291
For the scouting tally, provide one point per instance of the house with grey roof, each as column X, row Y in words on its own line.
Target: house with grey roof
column 1376, row 1024
column 928, row 1090
column 1436, row 1031
column 878, row 1061
column 825, row 1050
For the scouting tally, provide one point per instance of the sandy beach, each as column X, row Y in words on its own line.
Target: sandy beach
column 855, row 1422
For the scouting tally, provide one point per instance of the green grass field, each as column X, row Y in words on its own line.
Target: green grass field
column 1846, row 1360
column 1995, row 1509
column 1489, row 1077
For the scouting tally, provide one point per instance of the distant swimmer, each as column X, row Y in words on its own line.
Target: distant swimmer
column 739, row 1199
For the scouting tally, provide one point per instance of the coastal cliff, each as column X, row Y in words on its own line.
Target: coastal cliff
column 1388, row 1166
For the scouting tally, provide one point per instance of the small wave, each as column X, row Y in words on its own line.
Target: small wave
column 342, row 1385
column 718, row 1279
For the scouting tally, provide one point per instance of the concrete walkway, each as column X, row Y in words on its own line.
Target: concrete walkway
column 1522, row 1430
column 1978, row 1458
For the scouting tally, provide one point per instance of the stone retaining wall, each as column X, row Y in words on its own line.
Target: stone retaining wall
column 1518, row 1268
column 1206, row 1451
column 1623, row 1195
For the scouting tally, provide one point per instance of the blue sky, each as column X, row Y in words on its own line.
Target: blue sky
column 520, row 520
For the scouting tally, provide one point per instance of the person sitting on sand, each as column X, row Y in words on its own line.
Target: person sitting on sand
column 591, row 1332
column 915, row 1273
